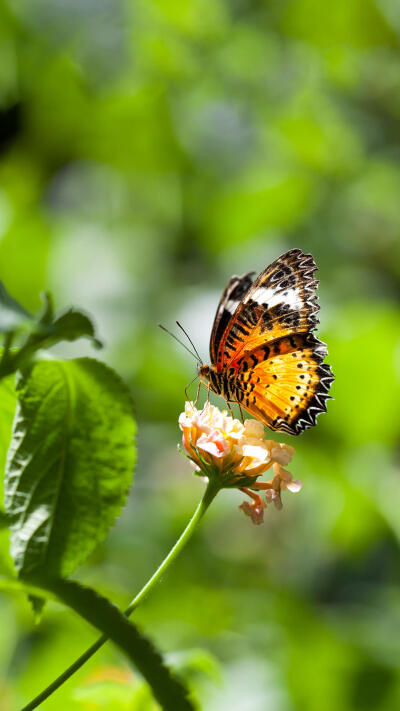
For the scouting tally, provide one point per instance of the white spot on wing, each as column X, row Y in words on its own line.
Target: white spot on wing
column 231, row 305
column 290, row 296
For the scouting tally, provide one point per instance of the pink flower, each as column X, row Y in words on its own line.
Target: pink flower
column 214, row 446
column 237, row 454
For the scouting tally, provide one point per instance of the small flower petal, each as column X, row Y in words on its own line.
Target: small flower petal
column 253, row 428
column 282, row 453
column 213, row 443
column 274, row 496
column 257, row 452
column 294, row 486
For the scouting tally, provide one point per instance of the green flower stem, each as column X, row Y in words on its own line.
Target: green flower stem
column 209, row 494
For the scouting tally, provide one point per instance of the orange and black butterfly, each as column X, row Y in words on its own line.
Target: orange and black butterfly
column 264, row 355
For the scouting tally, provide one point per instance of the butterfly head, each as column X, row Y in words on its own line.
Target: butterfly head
column 203, row 371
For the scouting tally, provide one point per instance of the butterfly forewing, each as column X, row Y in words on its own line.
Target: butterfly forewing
column 262, row 345
column 280, row 302
column 234, row 292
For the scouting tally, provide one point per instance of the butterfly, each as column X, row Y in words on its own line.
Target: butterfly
column 264, row 355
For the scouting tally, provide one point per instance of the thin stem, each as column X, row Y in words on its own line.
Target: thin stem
column 209, row 494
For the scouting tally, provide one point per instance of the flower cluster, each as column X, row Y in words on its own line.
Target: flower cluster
column 237, row 454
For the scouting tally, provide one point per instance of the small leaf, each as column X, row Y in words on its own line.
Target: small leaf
column 13, row 316
column 68, row 326
column 35, row 333
column 71, row 325
column 70, row 463
column 168, row 690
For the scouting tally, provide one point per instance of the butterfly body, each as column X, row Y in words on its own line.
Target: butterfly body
column 223, row 383
column 264, row 355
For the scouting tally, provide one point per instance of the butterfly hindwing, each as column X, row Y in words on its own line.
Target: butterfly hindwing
column 287, row 389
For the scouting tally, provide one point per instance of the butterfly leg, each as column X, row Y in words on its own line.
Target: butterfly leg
column 231, row 411
column 198, row 393
column 188, row 386
column 229, row 408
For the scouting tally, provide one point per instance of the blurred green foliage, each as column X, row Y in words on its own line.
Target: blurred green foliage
column 149, row 150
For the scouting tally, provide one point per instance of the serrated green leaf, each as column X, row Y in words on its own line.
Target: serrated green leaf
column 39, row 332
column 13, row 316
column 68, row 326
column 70, row 463
column 100, row 612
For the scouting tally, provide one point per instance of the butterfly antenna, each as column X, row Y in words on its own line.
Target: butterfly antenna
column 190, row 341
column 179, row 341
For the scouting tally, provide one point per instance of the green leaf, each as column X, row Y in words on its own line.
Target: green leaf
column 100, row 612
column 68, row 326
column 70, row 463
column 13, row 316
column 42, row 332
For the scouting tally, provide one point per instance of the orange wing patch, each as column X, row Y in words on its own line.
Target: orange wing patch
column 287, row 391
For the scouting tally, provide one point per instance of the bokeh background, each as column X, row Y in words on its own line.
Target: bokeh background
column 148, row 150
